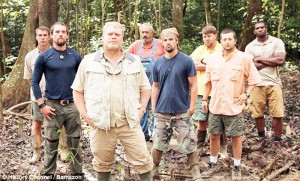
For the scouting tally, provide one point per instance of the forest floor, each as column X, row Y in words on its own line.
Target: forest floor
column 275, row 162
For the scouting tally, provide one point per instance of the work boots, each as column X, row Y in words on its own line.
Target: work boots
column 63, row 147
column 146, row 176
column 195, row 170
column 156, row 155
column 102, row 176
column 37, row 147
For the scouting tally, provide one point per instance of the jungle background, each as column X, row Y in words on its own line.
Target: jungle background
column 20, row 18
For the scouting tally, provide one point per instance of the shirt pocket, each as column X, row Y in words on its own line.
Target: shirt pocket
column 95, row 83
column 236, row 72
column 215, row 75
column 133, row 74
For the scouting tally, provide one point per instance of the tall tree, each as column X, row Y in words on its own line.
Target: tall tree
column 207, row 11
column 136, row 8
column 177, row 20
column 15, row 89
column 254, row 8
column 281, row 18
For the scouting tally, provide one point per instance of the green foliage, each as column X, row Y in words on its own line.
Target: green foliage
column 14, row 12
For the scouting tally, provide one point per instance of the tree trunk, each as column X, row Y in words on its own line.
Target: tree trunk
column 177, row 20
column 15, row 89
column 254, row 8
column 159, row 16
column 281, row 19
column 136, row 30
column 207, row 11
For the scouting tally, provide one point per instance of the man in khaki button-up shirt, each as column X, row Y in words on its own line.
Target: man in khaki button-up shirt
column 226, row 74
column 111, row 91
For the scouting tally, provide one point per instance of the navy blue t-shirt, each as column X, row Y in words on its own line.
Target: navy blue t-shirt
column 172, row 77
column 59, row 68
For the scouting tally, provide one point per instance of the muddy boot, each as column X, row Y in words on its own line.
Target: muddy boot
column 37, row 148
column 223, row 147
column 156, row 155
column 63, row 147
column 102, row 176
column 146, row 176
column 201, row 135
column 195, row 170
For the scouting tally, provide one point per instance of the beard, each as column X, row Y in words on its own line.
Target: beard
column 60, row 42
column 147, row 39
column 112, row 46
column 169, row 49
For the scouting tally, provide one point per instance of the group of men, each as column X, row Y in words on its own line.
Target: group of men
column 111, row 88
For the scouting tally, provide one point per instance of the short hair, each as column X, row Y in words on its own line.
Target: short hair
column 42, row 28
column 115, row 25
column 147, row 25
column 254, row 24
column 226, row 31
column 209, row 29
column 59, row 23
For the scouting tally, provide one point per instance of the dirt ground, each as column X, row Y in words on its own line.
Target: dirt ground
column 276, row 162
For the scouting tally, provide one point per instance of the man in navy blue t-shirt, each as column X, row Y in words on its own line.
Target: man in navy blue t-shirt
column 174, row 95
column 59, row 64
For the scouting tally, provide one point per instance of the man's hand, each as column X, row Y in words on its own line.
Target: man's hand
column 47, row 112
column 88, row 120
column 204, row 106
column 142, row 111
column 241, row 99
column 190, row 111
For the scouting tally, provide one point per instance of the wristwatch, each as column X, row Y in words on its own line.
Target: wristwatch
column 247, row 94
column 42, row 105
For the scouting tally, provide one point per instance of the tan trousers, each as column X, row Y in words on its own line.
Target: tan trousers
column 103, row 146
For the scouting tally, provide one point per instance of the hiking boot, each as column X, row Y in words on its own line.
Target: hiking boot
column 196, row 173
column 37, row 147
column 236, row 173
column 211, row 169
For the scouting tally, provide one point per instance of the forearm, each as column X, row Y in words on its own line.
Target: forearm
column 249, row 88
column 277, row 60
column 145, row 96
column 154, row 96
column 200, row 66
column 79, row 102
column 194, row 96
column 259, row 65
column 207, row 90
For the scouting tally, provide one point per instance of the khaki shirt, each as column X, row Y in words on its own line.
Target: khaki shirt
column 202, row 52
column 269, row 75
column 228, row 81
column 30, row 59
column 111, row 94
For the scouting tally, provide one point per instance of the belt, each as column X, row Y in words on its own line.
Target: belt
column 62, row 102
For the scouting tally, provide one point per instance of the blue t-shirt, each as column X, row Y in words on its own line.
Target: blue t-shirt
column 59, row 68
column 172, row 77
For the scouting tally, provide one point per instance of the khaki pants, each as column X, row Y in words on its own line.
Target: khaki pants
column 103, row 146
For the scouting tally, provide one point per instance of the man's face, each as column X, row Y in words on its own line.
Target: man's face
column 209, row 39
column 42, row 37
column 170, row 43
column 146, row 34
column 59, row 35
column 113, row 38
column 228, row 41
column 260, row 30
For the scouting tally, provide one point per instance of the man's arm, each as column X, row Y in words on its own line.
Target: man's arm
column 80, row 104
column 145, row 96
column 199, row 66
column 277, row 60
column 154, row 95
column 207, row 90
column 194, row 94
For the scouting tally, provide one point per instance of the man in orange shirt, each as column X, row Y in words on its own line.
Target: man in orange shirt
column 226, row 74
column 148, row 49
